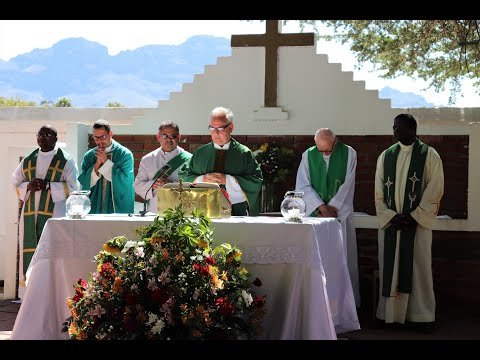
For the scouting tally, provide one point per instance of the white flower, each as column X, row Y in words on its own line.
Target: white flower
column 139, row 252
column 128, row 245
column 158, row 327
column 247, row 297
column 152, row 317
column 196, row 294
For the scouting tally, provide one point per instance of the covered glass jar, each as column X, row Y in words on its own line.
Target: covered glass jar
column 78, row 204
column 293, row 206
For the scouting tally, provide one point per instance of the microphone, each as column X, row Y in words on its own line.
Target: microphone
column 161, row 174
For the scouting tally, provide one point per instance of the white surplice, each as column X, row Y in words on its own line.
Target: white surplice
column 59, row 196
column 148, row 167
column 419, row 306
column 343, row 202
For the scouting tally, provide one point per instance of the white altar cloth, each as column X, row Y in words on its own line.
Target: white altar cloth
column 302, row 267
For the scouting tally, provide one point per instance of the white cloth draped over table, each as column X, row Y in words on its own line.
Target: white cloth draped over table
column 302, row 268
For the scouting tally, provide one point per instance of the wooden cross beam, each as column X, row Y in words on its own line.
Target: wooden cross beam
column 272, row 40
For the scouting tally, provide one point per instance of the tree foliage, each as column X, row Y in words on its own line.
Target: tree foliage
column 63, row 102
column 46, row 103
column 15, row 102
column 437, row 51
column 115, row 104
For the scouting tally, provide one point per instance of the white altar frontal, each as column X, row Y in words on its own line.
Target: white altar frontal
column 302, row 268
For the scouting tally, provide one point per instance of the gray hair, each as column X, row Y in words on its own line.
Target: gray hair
column 221, row 112
column 324, row 133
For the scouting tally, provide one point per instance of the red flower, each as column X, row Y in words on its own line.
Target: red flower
column 82, row 283
column 158, row 296
column 225, row 306
column 108, row 271
column 201, row 269
column 132, row 298
column 259, row 302
column 78, row 294
column 210, row 260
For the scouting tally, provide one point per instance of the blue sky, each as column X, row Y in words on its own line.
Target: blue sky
column 22, row 36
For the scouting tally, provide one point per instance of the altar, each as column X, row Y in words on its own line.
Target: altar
column 302, row 267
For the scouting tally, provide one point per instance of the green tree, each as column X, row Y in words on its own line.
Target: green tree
column 115, row 104
column 46, row 103
column 63, row 102
column 15, row 102
column 437, row 51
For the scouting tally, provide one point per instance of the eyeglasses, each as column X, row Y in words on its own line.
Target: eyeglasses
column 329, row 150
column 44, row 136
column 100, row 138
column 219, row 129
column 166, row 136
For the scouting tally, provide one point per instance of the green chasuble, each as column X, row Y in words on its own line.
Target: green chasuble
column 327, row 183
column 108, row 197
column 412, row 197
column 33, row 229
column 240, row 163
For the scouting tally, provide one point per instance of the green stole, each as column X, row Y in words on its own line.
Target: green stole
column 327, row 183
column 413, row 194
column 174, row 164
column 32, row 230
column 239, row 162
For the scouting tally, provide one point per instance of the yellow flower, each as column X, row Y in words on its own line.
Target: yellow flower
column 111, row 249
column 224, row 276
column 202, row 243
column 264, row 147
column 157, row 239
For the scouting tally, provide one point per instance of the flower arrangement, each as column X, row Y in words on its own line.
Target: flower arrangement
column 275, row 162
column 171, row 284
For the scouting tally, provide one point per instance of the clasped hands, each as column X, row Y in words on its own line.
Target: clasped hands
column 37, row 184
column 325, row 210
column 101, row 154
column 215, row 177
column 402, row 222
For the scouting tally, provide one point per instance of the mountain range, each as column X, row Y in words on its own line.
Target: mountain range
column 84, row 72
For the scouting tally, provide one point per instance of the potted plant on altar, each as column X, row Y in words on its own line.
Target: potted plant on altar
column 169, row 285
column 276, row 163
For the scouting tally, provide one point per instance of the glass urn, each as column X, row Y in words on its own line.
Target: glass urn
column 78, row 204
column 293, row 207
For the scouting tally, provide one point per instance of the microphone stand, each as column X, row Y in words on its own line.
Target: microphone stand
column 163, row 173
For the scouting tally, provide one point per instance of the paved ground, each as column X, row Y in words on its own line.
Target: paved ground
column 450, row 327
column 8, row 313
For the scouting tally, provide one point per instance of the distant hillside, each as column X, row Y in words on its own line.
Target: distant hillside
column 83, row 71
column 404, row 100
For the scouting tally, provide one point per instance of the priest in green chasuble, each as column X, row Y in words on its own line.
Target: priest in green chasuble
column 326, row 175
column 409, row 184
column 43, row 180
column 107, row 171
column 228, row 163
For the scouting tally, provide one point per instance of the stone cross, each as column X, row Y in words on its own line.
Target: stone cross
column 272, row 40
